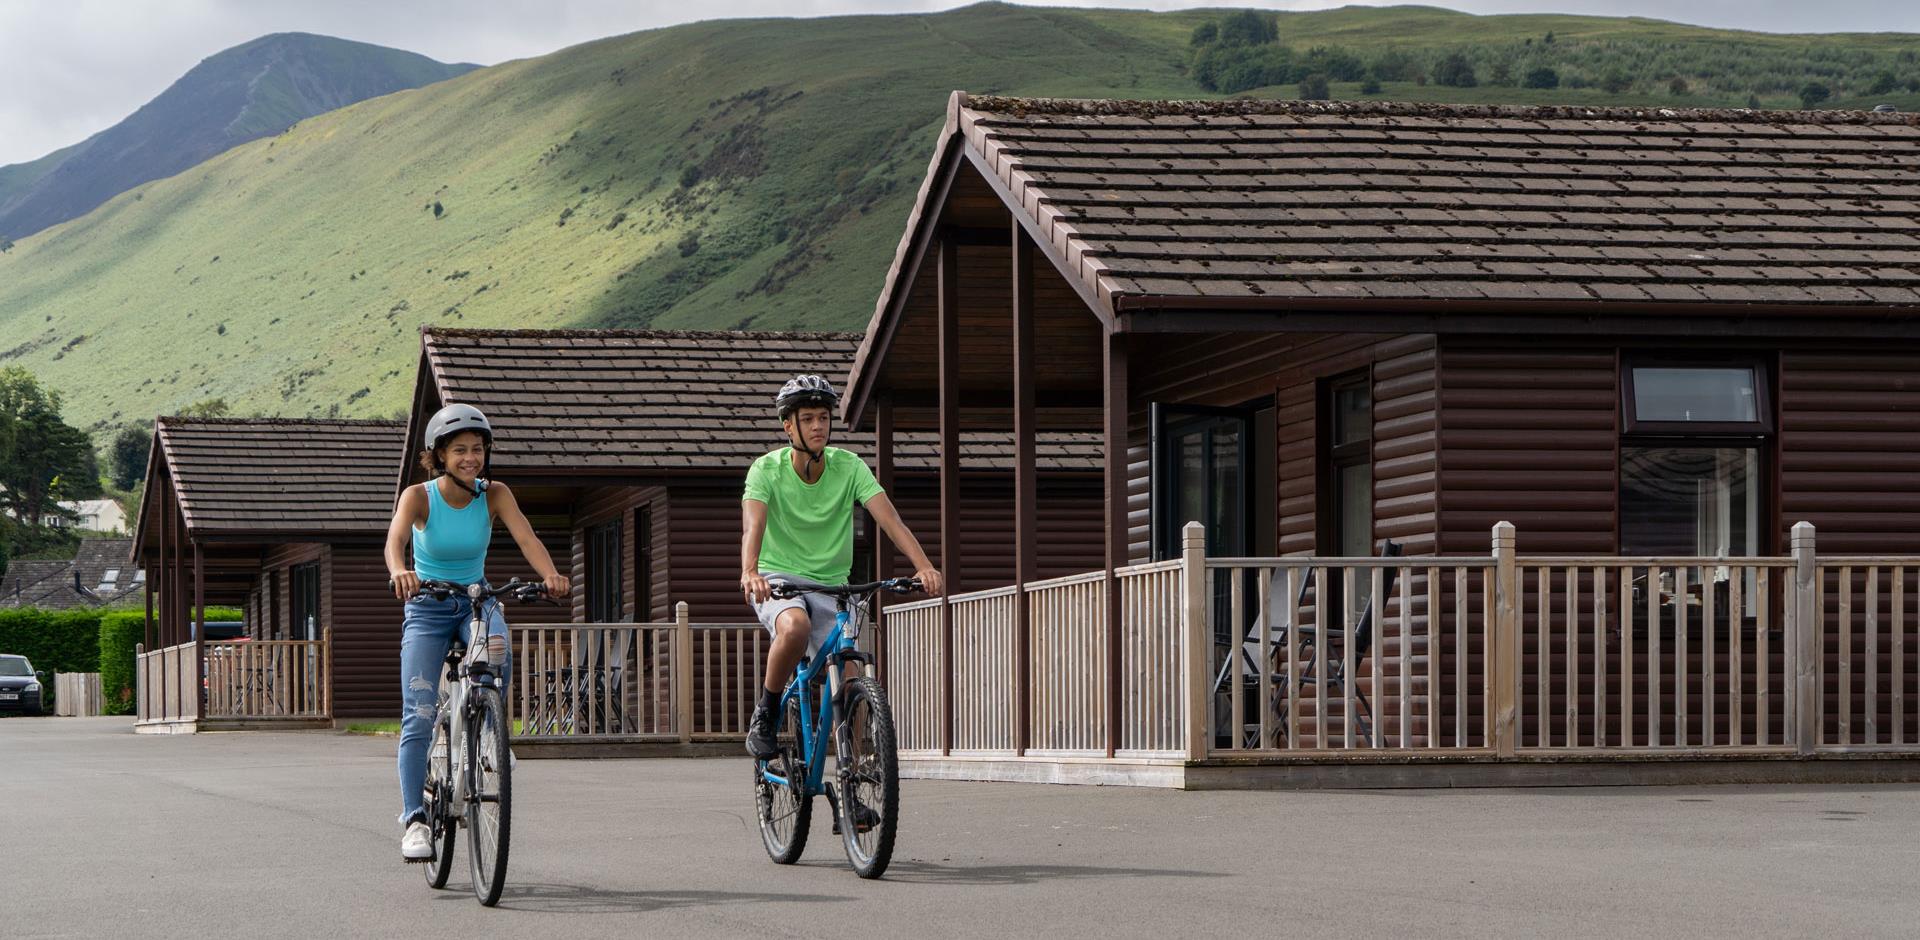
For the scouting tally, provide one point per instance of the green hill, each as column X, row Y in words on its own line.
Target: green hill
column 719, row 174
column 244, row 93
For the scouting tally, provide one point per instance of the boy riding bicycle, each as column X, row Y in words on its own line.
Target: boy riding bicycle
column 797, row 522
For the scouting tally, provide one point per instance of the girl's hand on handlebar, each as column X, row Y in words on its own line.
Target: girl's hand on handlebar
column 558, row 585
column 930, row 582
column 405, row 584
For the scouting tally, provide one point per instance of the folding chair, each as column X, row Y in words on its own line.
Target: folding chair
column 1333, row 677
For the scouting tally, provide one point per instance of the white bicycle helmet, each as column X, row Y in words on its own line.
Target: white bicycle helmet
column 455, row 419
column 804, row 391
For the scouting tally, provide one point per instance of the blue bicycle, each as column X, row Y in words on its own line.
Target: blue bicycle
column 865, row 797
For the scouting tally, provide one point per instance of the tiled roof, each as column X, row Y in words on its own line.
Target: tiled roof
column 1282, row 201
column 50, row 585
column 650, row 401
column 282, row 476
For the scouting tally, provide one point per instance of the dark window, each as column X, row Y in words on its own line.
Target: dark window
column 1692, row 463
column 603, row 573
column 1201, row 465
column 1345, row 507
column 306, row 602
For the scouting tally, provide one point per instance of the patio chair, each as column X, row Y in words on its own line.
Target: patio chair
column 1324, row 658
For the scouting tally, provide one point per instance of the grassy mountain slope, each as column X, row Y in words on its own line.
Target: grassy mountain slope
column 243, row 93
column 719, row 174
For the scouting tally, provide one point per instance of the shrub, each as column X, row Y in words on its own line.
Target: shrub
column 1813, row 94
column 55, row 640
column 1455, row 71
column 1542, row 77
column 1370, row 87
column 1314, row 88
column 1248, row 28
column 120, row 633
column 1615, row 83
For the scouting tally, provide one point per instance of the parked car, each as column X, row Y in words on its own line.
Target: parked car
column 20, row 686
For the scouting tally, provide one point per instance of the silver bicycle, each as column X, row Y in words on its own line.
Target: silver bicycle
column 469, row 767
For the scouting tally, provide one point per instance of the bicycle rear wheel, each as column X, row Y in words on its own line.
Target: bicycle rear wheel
column 490, row 796
column 869, row 772
column 785, row 810
column 440, row 819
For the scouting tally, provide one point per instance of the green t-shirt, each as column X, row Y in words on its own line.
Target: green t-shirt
column 810, row 527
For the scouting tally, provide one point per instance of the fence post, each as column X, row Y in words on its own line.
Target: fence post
column 1197, row 639
column 326, row 670
column 139, row 682
column 682, row 672
column 1503, row 642
column 1803, row 642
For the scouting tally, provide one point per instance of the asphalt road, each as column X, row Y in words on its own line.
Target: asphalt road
column 108, row 833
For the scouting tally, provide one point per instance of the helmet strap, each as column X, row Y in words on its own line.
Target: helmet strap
column 813, row 456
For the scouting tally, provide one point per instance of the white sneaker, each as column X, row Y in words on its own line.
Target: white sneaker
column 417, row 844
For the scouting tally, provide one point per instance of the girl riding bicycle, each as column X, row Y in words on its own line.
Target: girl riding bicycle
column 448, row 522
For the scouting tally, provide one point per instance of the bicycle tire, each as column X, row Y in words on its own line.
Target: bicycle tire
column 785, row 812
column 491, row 774
column 869, row 776
column 440, row 821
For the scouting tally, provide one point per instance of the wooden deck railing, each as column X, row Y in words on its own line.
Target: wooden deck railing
column 1497, row 656
column 636, row 682
column 264, row 680
column 169, row 684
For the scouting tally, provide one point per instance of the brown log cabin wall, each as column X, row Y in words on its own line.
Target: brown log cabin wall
column 626, row 503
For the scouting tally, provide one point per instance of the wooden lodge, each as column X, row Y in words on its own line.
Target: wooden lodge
column 628, row 450
column 1553, row 445
column 284, row 519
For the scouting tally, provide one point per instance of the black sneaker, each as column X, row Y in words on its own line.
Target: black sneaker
column 864, row 817
column 760, row 737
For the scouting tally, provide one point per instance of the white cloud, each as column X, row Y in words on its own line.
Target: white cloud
column 69, row 68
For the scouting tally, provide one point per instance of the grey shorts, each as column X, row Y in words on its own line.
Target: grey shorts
column 821, row 610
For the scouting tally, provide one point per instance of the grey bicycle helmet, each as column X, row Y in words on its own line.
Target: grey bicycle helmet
column 803, row 391
column 454, row 419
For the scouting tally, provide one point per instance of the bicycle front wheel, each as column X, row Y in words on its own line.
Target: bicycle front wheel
column 440, row 819
column 869, row 771
column 490, row 794
column 785, row 810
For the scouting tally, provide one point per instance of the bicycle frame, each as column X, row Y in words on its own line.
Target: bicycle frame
column 834, row 652
column 454, row 704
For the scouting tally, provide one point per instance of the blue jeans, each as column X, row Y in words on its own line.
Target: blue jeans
column 426, row 633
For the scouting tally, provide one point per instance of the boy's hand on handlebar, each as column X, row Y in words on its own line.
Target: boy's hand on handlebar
column 755, row 587
column 930, row 581
column 405, row 584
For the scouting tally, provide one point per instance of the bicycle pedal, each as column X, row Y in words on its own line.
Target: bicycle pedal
column 416, row 861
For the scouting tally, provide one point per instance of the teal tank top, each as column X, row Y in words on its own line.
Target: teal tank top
column 453, row 546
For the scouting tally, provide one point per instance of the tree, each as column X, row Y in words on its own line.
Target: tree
column 1455, row 71
column 6, row 244
column 1677, row 86
column 1887, row 82
column 1314, row 88
column 1615, row 83
column 43, row 460
column 1248, row 28
column 1502, row 74
column 1542, row 77
column 1813, row 94
column 1370, row 87
column 127, row 456
column 206, row 408
column 1205, row 34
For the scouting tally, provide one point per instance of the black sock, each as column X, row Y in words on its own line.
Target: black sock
column 769, row 699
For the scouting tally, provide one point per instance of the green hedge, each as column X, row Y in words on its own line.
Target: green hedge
column 120, row 633
column 55, row 640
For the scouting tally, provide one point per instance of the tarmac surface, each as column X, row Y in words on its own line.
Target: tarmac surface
column 254, row 834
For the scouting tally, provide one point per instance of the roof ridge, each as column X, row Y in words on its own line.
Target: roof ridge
column 177, row 421
column 441, row 331
column 1121, row 107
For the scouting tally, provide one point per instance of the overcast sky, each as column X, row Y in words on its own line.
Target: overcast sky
column 69, row 68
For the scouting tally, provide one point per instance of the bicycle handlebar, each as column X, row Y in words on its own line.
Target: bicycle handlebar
column 526, row 592
column 787, row 588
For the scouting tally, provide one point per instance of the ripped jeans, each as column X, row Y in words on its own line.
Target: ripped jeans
column 427, row 632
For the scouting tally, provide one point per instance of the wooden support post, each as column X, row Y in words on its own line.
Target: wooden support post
column 1196, row 642
column 1504, row 641
column 949, row 318
column 199, row 630
column 683, row 673
column 1026, row 563
column 326, row 671
column 1803, row 643
column 1114, row 400
column 882, row 548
